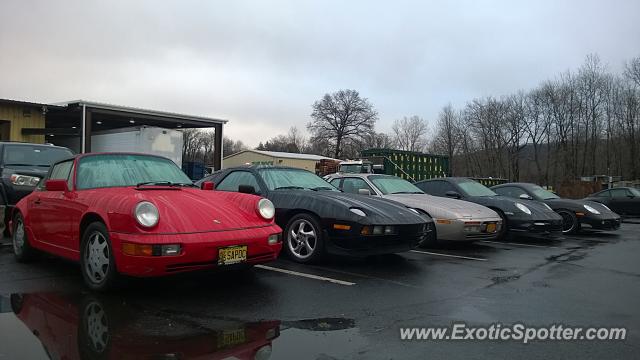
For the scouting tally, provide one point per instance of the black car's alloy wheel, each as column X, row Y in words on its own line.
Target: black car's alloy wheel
column 570, row 223
column 304, row 240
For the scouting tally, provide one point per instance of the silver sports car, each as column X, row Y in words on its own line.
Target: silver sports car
column 456, row 220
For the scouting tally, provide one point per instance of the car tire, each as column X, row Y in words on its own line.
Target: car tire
column 304, row 239
column 431, row 240
column 21, row 247
column 570, row 223
column 17, row 303
column 504, row 230
column 97, row 259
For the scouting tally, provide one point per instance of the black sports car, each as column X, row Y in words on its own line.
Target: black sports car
column 532, row 219
column 317, row 218
column 575, row 213
column 622, row 200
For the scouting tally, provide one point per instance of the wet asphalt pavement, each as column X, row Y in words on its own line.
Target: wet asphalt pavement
column 343, row 309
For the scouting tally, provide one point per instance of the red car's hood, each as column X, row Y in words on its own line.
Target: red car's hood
column 185, row 210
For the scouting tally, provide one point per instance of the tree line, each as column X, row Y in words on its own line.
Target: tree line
column 582, row 123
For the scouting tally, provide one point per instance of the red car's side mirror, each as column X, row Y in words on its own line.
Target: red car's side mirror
column 56, row 185
column 208, row 185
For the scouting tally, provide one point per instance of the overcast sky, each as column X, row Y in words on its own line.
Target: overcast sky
column 261, row 64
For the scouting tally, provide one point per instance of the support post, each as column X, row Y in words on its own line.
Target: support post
column 217, row 149
column 86, row 132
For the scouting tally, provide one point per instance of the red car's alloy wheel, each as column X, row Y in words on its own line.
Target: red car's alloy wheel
column 97, row 258
column 18, row 237
column 21, row 248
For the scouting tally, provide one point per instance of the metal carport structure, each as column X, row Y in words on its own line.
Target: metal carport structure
column 72, row 123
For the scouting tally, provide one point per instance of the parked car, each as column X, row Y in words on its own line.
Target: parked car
column 75, row 327
column 532, row 219
column 622, row 200
column 575, row 213
column 455, row 220
column 317, row 218
column 140, row 215
column 22, row 165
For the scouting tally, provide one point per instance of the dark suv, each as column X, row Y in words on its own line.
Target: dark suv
column 22, row 165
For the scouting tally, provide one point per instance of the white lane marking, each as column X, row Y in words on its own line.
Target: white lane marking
column 310, row 276
column 519, row 244
column 448, row 255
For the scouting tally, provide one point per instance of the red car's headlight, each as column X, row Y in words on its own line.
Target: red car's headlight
column 266, row 209
column 146, row 214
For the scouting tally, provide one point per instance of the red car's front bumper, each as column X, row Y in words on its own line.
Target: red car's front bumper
column 198, row 250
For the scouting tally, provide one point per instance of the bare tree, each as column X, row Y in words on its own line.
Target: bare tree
column 231, row 147
column 341, row 117
column 191, row 144
column 409, row 133
column 582, row 123
column 632, row 70
column 447, row 139
column 297, row 138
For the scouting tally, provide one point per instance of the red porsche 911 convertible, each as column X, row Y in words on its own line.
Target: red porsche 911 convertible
column 140, row 215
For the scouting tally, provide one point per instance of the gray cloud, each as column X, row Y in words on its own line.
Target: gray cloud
column 261, row 64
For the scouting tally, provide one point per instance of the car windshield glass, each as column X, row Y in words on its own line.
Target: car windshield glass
column 474, row 188
column 33, row 155
column 394, row 185
column 355, row 168
column 634, row 191
column 281, row 179
column 113, row 170
column 543, row 194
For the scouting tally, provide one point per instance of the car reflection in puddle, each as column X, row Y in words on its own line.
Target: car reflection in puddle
column 93, row 326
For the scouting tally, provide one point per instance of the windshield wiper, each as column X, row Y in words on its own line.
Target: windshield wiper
column 19, row 164
column 289, row 187
column 406, row 192
column 184, row 184
column 167, row 183
column 322, row 188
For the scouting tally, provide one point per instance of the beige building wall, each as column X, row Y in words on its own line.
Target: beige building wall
column 254, row 158
column 13, row 118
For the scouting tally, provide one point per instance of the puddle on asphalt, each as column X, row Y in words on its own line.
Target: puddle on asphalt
column 89, row 326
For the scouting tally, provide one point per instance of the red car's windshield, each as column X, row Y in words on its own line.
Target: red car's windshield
column 113, row 170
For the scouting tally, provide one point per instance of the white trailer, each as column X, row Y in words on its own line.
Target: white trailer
column 140, row 139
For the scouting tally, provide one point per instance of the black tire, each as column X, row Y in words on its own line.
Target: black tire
column 21, row 247
column 570, row 223
column 504, row 230
column 311, row 223
column 17, row 302
column 97, row 276
column 431, row 240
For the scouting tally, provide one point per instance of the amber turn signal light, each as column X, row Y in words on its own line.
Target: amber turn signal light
column 137, row 249
column 341, row 227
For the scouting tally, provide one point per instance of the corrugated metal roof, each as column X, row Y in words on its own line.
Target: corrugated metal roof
column 286, row 155
column 105, row 106
column 25, row 103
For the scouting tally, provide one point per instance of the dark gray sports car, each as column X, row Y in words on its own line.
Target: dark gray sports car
column 575, row 213
column 623, row 200
column 317, row 218
column 532, row 220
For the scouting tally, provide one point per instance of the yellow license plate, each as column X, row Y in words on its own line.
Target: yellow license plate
column 491, row 228
column 232, row 255
column 231, row 337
